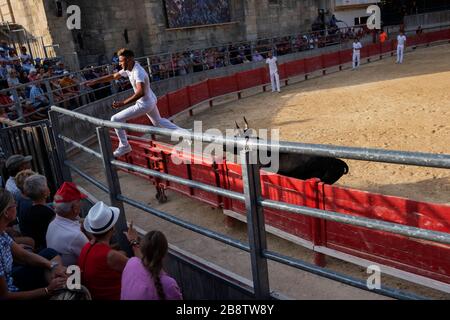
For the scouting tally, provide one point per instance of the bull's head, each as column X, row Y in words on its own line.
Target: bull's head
column 246, row 132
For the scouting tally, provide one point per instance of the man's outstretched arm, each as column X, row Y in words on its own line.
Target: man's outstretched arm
column 108, row 78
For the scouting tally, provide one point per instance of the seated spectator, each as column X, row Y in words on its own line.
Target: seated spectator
column 6, row 103
column 24, row 56
column 101, row 266
column 23, row 77
column 14, row 164
column 13, row 79
column 60, row 69
column 257, row 57
column 38, row 97
column 144, row 278
column 33, row 75
column 35, row 221
column 64, row 233
column 69, row 89
column 38, row 276
column 23, row 203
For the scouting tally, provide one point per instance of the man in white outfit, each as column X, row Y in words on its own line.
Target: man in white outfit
column 143, row 96
column 273, row 72
column 401, row 42
column 356, row 53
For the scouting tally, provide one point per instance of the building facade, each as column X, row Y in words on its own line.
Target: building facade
column 142, row 25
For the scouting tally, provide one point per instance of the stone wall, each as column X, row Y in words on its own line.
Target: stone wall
column 103, row 24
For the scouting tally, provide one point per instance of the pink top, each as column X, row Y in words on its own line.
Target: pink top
column 137, row 283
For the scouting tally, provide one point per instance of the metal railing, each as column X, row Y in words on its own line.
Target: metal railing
column 254, row 202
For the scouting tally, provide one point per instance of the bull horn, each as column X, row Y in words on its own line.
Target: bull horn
column 237, row 126
column 246, row 124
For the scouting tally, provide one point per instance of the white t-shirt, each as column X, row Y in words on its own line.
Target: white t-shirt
column 401, row 39
column 65, row 236
column 272, row 62
column 136, row 75
column 357, row 46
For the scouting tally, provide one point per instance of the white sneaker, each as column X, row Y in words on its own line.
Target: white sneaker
column 122, row 150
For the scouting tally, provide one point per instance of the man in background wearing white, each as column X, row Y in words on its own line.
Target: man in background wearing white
column 356, row 53
column 273, row 72
column 401, row 42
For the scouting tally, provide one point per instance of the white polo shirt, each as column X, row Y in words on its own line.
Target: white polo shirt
column 136, row 75
column 357, row 47
column 65, row 236
column 401, row 39
column 272, row 62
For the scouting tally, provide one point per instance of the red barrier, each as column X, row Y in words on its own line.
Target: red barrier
column 295, row 68
column 277, row 188
column 374, row 50
column 264, row 72
column 421, row 257
column 178, row 101
column 346, row 56
column 221, row 86
column 249, row 79
column 163, row 107
column 437, row 36
column 313, row 64
column 364, row 52
column 331, row 60
column 387, row 46
column 198, row 92
column 282, row 71
column 420, row 39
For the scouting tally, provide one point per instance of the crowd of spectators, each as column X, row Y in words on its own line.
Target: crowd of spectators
column 41, row 236
column 40, row 82
column 190, row 61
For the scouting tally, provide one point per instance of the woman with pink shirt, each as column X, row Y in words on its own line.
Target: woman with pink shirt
column 145, row 279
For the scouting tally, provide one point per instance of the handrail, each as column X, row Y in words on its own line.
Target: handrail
column 366, row 154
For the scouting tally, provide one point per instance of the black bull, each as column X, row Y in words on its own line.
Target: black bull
column 303, row 166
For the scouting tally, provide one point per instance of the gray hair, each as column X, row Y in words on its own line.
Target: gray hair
column 35, row 187
column 63, row 208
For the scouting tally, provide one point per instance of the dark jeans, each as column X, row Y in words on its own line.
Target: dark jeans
column 30, row 278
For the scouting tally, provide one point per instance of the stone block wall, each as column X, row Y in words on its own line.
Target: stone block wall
column 103, row 23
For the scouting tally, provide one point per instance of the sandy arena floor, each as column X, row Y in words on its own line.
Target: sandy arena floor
column 382, row 105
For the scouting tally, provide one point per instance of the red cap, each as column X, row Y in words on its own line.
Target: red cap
column 68, row 192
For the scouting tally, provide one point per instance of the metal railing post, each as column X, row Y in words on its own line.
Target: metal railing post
column 60, row 148
column 255, row 225
column 18, row 104
column 112, row 179
column 113, row 82
column 49, row 92
column 149, row 67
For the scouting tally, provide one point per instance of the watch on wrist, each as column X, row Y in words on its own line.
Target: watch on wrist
column 53, row 265
column 134, row 243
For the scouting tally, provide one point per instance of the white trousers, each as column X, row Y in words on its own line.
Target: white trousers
column 275, row 80
column 356, row 59
column 400, row 50
column 135, row 111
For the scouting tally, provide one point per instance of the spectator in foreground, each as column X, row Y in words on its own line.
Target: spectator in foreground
column 35, row 220
column 14, row 165
column 101, row 266
column 64, row 232
column 23, row 202
column 38, row 276
column 144, row 278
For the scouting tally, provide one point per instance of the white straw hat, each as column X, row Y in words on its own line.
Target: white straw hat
column 101, row 218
